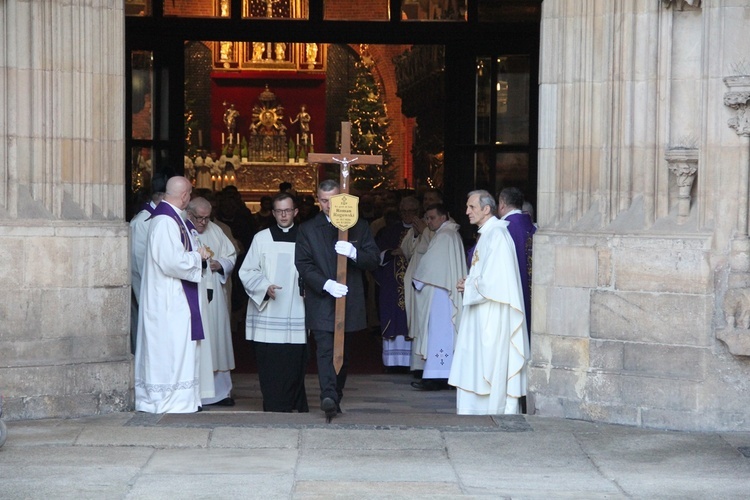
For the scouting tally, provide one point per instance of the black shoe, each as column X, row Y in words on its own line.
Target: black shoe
column 329, row 406
column 200, row 408
column 429, row 385
column 224, row 402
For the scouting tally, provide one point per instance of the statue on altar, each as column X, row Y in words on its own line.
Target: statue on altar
column 258, row 48
column 311, row 53
column 303, row 117
column 230, row 119
column 267, row 130
column 225, row 52
column 280, row 49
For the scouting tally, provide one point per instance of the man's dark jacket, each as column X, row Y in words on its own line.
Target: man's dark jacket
column 315, row 258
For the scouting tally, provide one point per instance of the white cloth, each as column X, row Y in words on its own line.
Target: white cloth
column 441, row 337
column 204, row 168
column 222, row 388
column 489, row 366
column 278, row 321
column 440, row 268
column 138, row 240
column 216, row 314
column 166, row 359
column 413, row 248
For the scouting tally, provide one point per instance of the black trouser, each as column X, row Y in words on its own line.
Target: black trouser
column 331, row 384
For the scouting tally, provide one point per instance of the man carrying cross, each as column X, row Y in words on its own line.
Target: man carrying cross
column 331, row 261
column 315, row 257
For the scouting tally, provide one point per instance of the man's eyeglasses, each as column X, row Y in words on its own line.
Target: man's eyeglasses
column 202, row 220
column 283, row 211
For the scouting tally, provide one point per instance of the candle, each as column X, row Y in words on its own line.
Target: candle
column 222, row 137
column 238, row 138
column 200, row 138
column 311, row 140
column 297, row 139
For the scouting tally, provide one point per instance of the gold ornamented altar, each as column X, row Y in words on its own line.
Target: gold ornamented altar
column 256, row 179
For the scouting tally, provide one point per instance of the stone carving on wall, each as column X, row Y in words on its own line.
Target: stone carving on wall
column 738, row 99
column 681, row 3
column 683, row 163
column 736, row 335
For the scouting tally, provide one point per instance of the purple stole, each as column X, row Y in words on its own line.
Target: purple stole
column 191, row 289
column 148, row 208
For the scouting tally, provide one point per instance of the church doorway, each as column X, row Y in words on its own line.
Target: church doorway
column 459, row 90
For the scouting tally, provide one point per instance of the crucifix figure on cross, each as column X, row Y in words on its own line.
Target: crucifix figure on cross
column 332, row 252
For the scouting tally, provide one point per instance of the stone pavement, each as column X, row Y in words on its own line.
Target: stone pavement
column 390, row 442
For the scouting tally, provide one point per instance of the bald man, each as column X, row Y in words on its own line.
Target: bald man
column 170, row 329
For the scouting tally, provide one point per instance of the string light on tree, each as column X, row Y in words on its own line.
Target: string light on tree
column 369, row 118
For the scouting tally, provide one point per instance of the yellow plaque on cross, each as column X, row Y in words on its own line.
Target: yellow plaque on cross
column 344, row 211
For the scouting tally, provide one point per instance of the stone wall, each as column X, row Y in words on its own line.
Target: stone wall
column 643, row 203
column 64, row 303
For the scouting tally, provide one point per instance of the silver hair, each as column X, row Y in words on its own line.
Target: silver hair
column 485, row 199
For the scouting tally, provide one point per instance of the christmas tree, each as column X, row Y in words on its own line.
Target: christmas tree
column 369, row 119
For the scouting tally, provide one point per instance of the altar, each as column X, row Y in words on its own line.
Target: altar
column 256, row 179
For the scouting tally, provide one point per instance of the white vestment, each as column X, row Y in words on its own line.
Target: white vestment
column 437, row 302
column 413, row 248
column 138, row 240
column 204, row 168
column 278, row 321
column 166, row 359
column 489, row 366
column 217, row 354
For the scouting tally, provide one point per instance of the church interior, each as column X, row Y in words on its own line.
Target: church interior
column 442, row 88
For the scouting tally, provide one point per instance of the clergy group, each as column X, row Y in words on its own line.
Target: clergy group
column 454, row 318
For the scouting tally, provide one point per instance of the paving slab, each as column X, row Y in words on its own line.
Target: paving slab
column 376, row 490
column 222, row 461
column 381, row 439
column 374, row 466
column 165, row 437
column 211, row 486
column 256, row 437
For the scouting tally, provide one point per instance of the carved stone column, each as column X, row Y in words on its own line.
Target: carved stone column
column 736, row 302
column 65, row 294
column 738, row 98
column 683, row 163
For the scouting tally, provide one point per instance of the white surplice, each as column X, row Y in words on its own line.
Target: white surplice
column 217, row 354
column 166, row 359
column 437, row 302
column 489, row 366
column 414, row 247
column 278, row 321
column 138, row 241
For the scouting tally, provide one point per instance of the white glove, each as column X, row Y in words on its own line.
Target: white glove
column 346, row 249
column 337, row 290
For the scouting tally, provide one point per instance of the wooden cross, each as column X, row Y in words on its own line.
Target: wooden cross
column 345, row 158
